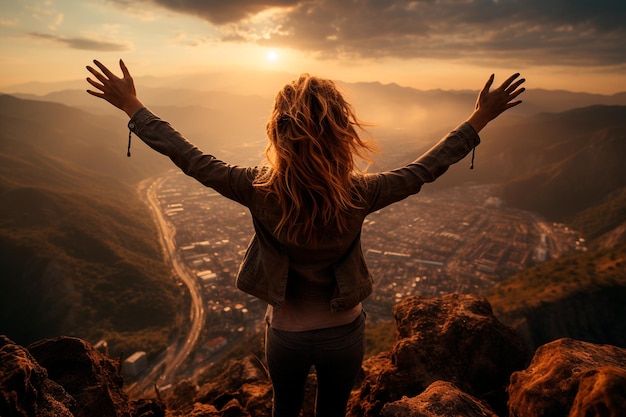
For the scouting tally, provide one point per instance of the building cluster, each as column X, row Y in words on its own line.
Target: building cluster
column 456, row 240
column 211, row 234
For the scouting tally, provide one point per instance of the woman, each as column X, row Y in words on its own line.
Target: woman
column 308, row 204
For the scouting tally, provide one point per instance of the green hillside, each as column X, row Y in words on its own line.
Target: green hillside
column 554, row 164
column 561, row 278
column 600, row 220
column 567, row 162
column 579, row 296
column 79, row 252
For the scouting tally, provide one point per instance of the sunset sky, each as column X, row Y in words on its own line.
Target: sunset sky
column 577, row 45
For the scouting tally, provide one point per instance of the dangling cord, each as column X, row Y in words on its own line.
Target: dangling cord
column 128, row 151
column 471, row 166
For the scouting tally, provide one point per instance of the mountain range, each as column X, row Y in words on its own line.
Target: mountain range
column 80, row 254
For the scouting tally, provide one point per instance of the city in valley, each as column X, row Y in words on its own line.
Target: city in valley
column 456, row 240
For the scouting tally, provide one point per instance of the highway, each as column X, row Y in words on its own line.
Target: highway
column 165, row 371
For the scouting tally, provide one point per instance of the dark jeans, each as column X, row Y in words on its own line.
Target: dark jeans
column 336, row 353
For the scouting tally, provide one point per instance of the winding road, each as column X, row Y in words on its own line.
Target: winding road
column 165, row 371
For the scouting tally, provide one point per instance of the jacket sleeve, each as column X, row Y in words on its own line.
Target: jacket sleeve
column 231, row 181
column 389, row 187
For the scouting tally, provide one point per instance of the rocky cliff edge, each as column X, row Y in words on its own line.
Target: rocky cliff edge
column 452, row 357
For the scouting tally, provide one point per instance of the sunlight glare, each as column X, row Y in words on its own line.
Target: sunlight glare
column 272, row 55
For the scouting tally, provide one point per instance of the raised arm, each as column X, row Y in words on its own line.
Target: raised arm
column 120, row 92
column 491, row 104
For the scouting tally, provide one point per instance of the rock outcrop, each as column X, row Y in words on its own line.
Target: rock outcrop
column 89, row 377
column 440, row 399
column 455, row 338
column 571, row 378
column 242, row 389
column 452, row 357
column 25, row 387
column 65, row 377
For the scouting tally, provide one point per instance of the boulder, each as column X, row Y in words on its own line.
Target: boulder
column 569, row 377
column 65, row 377
column 441, row 399
column 202, row 410
column 454, row 338
column 243, row 389
column 89, row 376
column 148, row 407
column 601, row 392
column 25, row 388
column 181, row 398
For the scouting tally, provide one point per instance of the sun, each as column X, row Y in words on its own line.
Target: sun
column 272, row 55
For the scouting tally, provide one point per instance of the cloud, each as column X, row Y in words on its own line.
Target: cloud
column 82, row 43
column 533, row 31
column 219, row 12
column 9, row 22
column 224, row 11
column 57, row 21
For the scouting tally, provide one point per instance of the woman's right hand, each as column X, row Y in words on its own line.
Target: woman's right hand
column 120, row 92
column 490, row 104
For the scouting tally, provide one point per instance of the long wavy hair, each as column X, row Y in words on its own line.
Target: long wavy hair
column 313, row 142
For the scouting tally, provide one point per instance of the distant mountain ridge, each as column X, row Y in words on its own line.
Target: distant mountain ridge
column 555, row 164
column 96, row 143
column 265, row 84
column 397, row 112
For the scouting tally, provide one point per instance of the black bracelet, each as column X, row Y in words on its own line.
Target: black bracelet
column 128, row 150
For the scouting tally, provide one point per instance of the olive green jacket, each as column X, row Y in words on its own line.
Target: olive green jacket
column 270, row 260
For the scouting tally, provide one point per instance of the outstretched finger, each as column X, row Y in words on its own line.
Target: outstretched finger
column 96, row 74
column 487, row 86
column 104, row 69
column 509, row 80
column 483, row 93
column 514, row 86
column 96, row 93
column 513, row 104
column 95, row 84
column 125, row 70
column 516, row 93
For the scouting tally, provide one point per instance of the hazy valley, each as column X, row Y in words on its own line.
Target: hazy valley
column 81, row 253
